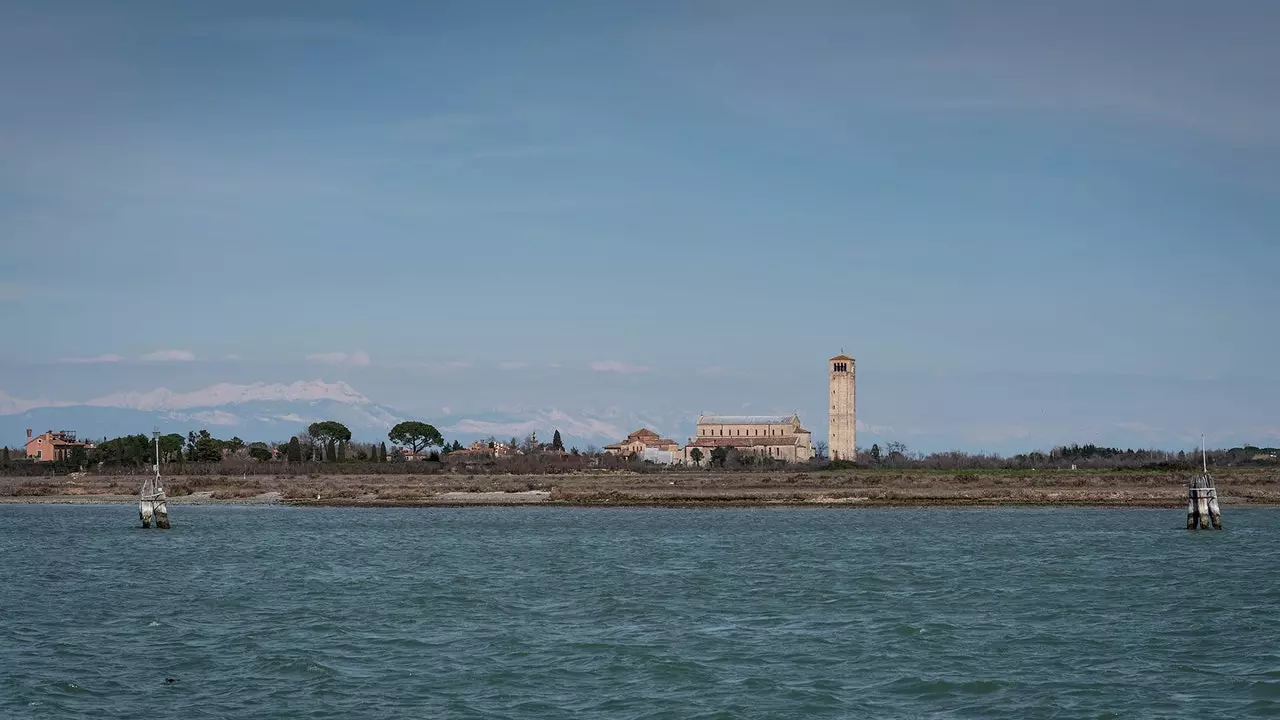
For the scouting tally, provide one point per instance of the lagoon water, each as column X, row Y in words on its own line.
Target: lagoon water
column 276, row 612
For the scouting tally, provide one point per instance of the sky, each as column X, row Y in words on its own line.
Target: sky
column 1031, row 223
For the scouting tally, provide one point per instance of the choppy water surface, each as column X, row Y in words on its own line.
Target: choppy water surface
column 519, row 612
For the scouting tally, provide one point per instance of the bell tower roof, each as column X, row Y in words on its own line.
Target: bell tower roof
column 842, row 356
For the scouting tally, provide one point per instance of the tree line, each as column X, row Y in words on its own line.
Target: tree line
column 326, row 441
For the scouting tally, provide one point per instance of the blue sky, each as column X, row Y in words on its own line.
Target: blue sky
column 1030, row 222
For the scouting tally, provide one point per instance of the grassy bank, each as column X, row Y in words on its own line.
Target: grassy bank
column 862, row 487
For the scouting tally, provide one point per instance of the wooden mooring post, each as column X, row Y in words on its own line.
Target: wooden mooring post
column 1202, row 498
column 152, row 502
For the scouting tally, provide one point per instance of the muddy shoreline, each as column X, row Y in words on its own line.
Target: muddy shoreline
column 1246, row 487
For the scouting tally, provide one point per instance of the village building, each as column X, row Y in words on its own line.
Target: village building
column 53, row 446
column 480, row 450
column 780, row 437
column 646, row 445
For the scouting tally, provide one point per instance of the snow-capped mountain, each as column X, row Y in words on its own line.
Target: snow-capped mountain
column 259, row 411
column 274, row 412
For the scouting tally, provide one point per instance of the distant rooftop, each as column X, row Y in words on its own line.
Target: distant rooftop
column 746, row 419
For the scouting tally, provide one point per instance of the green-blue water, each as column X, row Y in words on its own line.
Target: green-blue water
column 274, row 612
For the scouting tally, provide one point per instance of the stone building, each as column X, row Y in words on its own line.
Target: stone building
column 842, row 422
column 780, row 437
column 641, row 442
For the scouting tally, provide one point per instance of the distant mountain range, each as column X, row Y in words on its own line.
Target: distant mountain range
column 274, row 412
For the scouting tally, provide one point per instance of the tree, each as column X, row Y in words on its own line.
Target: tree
column 294, row 453
column 515, row 444
column 191, row 445
column 875, row 453
column 171, row 446
column 417, row 435
column 208, row 448
column 259, row 451
column 719, row 455
column 530, row 444
column 329, row 433
column 130, row 450
column 235, row 445
column 330, row 452
column 556, row 442
column 696, row 455
column 382, row 452
column 397, row 455
column 820, row 449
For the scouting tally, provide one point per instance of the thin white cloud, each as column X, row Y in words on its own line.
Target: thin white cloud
column 359, row 357
column 513, row 365
column 713, row 370
column 109, row 358
column 232, row 356
column 616, row 366
column 169, row 356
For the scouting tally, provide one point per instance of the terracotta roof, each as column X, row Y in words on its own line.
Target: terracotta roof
column 645, row 437
column 842, row 356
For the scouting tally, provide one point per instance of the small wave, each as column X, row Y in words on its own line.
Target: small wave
column 1265, row 689
column 932, row 689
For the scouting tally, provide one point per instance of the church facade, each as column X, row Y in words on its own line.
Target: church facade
column 780, row 437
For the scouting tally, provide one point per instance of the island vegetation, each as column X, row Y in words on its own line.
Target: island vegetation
column 322, row 463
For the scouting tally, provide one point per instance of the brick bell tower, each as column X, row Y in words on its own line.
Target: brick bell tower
column 842, row 420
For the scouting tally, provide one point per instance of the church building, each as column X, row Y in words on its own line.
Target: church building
column 780, row 437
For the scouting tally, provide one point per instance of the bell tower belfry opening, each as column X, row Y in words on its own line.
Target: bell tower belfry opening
column 842, row 425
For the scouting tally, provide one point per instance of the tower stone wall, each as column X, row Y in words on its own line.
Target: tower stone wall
column 842, row 425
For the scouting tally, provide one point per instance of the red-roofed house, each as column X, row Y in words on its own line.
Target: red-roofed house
column 53, row 445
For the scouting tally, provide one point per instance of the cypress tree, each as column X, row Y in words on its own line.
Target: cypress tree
column 4, row 456
column 295, row 450
column 556, row 442
column 382, row 452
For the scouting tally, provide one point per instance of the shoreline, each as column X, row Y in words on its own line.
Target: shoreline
column 491, row 500
column 686, row 489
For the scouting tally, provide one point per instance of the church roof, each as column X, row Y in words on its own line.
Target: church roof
column 842, row 356
column 746, row 419
column 775, row 441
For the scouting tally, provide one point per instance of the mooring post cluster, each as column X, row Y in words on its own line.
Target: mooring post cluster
column 1202, row 504
column 152, row 502
column 1202, row 498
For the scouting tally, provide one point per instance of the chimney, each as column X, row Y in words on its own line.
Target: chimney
column 28, row 433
